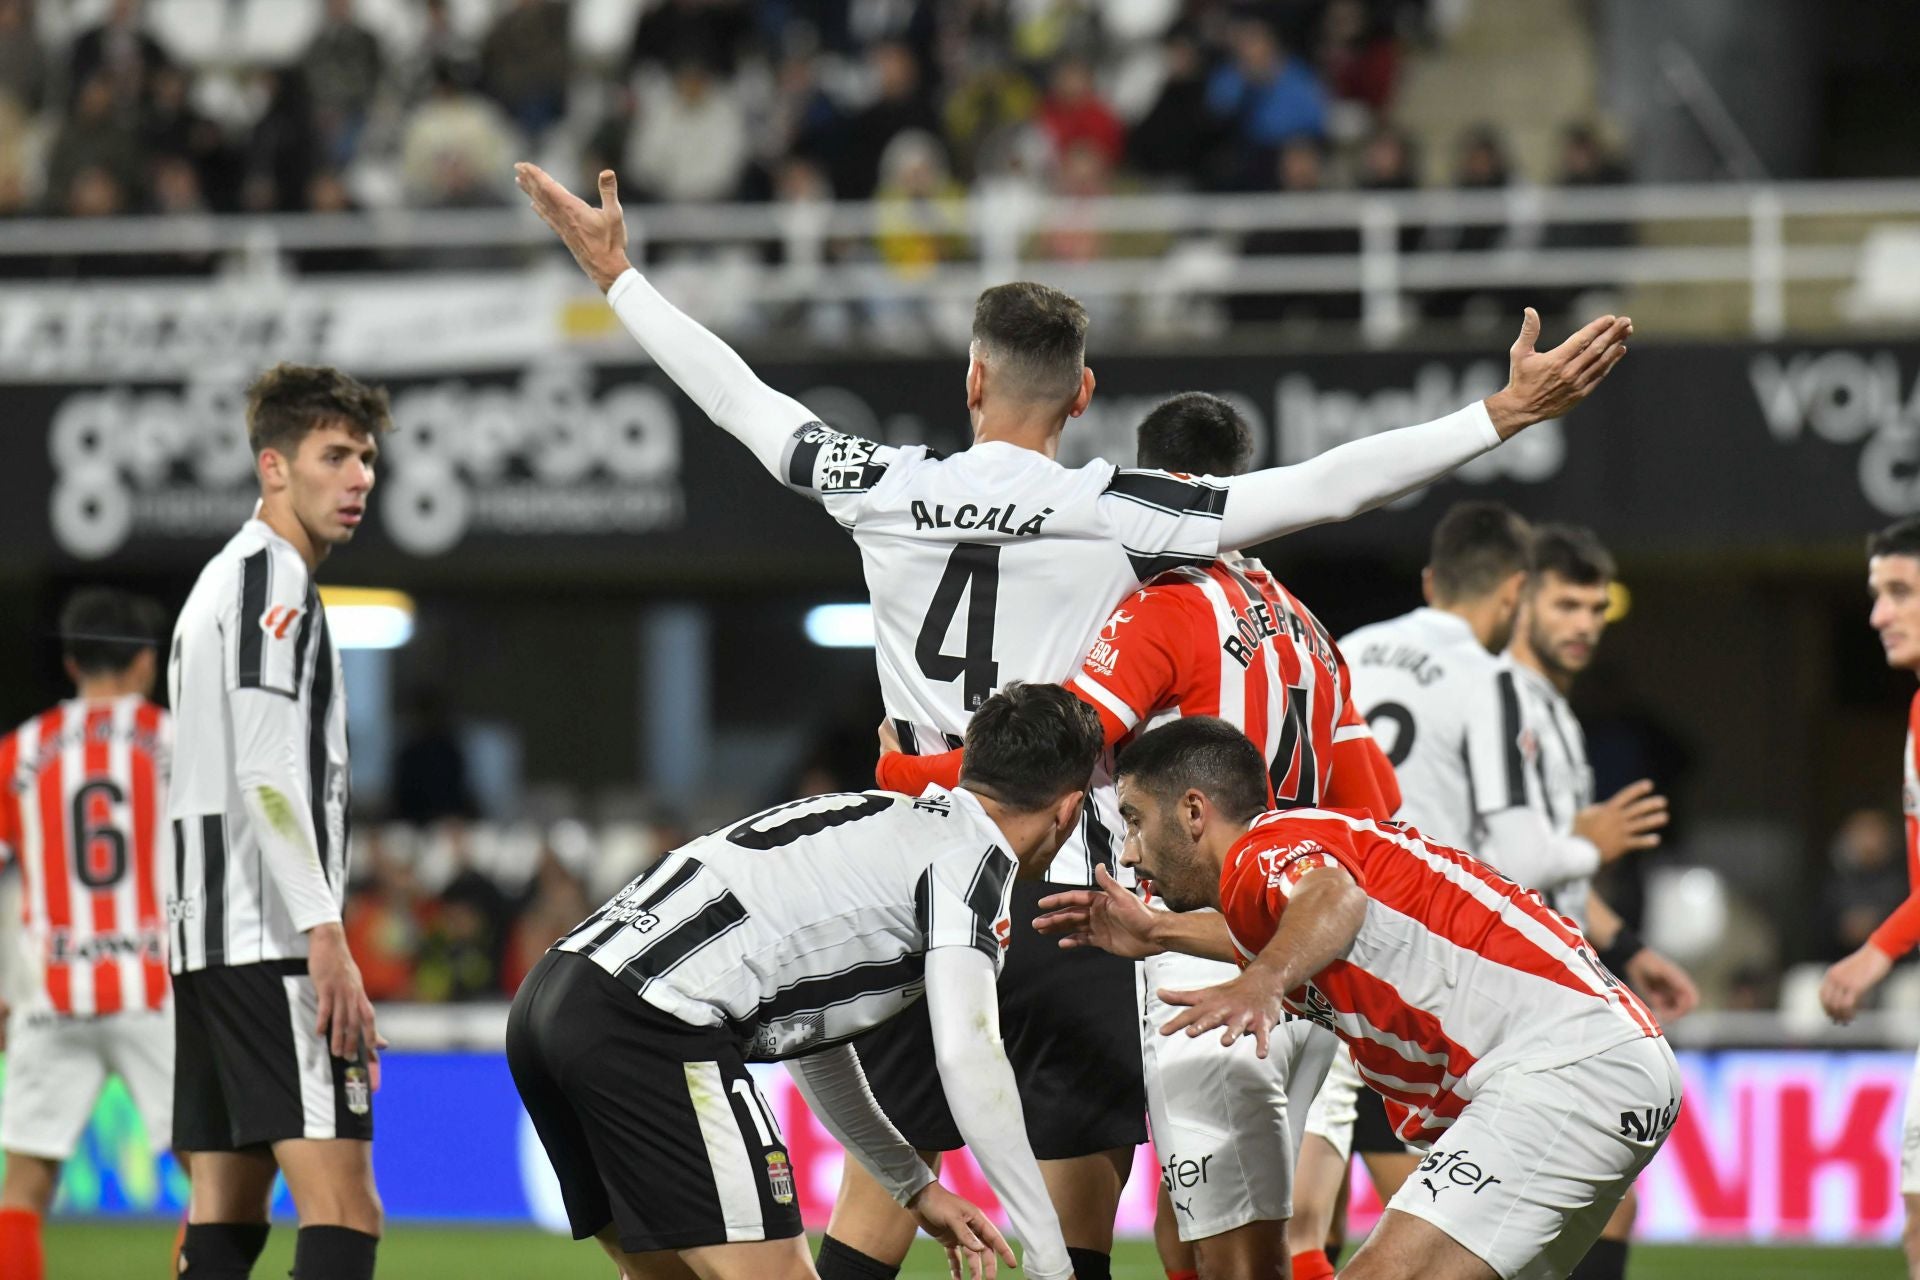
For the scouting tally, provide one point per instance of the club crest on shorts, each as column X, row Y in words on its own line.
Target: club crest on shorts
column 779, row 1177
column 359, row 1093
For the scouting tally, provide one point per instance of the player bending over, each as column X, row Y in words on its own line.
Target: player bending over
column 1538, row 1085
column 82, row 789
column 780, row 939
column 999, row 564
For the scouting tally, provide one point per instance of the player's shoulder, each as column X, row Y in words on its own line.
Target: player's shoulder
column 255, row 564
column 1913, row 714
column 1168, row 492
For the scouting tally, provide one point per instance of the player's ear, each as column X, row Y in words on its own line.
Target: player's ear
column 1193, row 808
column 976, row 378
column 1426, row 584
column 1066, row 811
column 271, row 467
column 1083, row 395
column 72, row 669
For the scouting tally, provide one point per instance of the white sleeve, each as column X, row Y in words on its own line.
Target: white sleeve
column 787, row 437
column 1357, row 476
column 967, row 901
column 836, row 1091
column 269, row 734
column 963, row 1004
column 1164, row 520
column 1520, row 845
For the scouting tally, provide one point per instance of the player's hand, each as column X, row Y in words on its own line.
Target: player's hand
column 346, row 1015
column 889, row 737
column 1850, row 979
column 597, row 238
column 1629, row 820
column 1246, row 1006
column 969, row 1236
column 1666, row 986
column 1108, row 917
column 1545, row 384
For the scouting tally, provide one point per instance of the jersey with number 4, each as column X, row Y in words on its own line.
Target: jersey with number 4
column 996, row 565
column 82, row 804
column 803, row 926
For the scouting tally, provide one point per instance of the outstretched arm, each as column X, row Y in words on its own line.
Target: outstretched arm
column 711, row 373
column 1363, row 474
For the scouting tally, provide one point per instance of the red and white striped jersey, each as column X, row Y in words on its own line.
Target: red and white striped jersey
column 1228, row 640
column 1457, row 971
column 82, row 797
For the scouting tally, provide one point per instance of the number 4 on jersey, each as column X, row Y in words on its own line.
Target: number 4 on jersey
column 973, row 571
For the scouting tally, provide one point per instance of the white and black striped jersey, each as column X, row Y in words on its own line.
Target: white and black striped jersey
column 1558, row 782
column 1445, row 712
column 260, row 725
column 997, row 564
column 802, row 926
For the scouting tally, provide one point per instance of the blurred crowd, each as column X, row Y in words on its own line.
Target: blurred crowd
column 909, row 103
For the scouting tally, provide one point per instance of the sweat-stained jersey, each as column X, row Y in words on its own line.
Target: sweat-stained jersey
column 997, row 564
column 1901, row 932
column 1457, row 972
column 82, row 798
column 800, row 927
column 256, row 684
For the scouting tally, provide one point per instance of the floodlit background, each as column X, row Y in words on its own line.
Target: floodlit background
column 583, row 624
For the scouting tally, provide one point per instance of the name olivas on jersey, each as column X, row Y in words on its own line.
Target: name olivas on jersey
column 1417, row 663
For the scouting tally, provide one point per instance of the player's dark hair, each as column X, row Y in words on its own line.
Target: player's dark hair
column 103, row 629
column 1898, row 539
column 289, row 400
column 1035, row 334
column 1199, row 753
column 1030, row 744
column 1572, row 554
column 1476, row 547
column 1200, row 434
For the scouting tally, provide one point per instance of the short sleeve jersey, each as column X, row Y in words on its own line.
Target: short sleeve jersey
column 800, row 927
column 1901, row 932
column 1457, row 972
column 82, row 799
column 994, row 565
column 1446, row 713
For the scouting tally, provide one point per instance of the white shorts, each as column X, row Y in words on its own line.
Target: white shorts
column 57, row 1066
column 1225, row 1121
column 1528, row 1175
column 1910, row 1137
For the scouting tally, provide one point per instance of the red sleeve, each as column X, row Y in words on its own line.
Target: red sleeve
column 1361, row 777
column 9, row 803
column 1135, row 662
column 1257, row 884
column 1901, row 932
column 911, row 774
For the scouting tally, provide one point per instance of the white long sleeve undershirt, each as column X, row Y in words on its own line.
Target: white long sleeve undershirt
column 1521, row 845
column 1336, row 485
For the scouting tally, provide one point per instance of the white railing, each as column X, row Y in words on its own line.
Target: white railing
column 1183, row 246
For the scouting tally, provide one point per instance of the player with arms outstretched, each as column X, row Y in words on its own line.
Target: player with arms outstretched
column 82, row 795
column 1230, row 641
column 1893, row 584
column 1538, row 1085
column 275, row 1048
column 1000, row 564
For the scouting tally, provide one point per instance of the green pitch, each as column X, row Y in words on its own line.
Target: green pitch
column 90, row 1251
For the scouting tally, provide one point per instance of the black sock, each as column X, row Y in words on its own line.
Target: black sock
column 1090, row 1264
column 333, row 1253
column 221, row 1250
column 1607, row 1260
column 1333, row 1253
column 839, row 1261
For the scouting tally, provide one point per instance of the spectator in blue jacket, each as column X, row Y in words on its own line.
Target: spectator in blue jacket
column 1268, row 96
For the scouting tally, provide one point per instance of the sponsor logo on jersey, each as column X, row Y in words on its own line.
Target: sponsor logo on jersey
column 276, row 620
column 1289, row 864
column 359, row 1092
column 779, row 1177
column 1446, row 1170
column 1103, row 657
column 1119, row 619
column 1003, row 930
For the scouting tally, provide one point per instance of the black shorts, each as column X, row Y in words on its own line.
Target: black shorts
column 248, row 1067
column 1372, row 1132
column 653, row 1125
column 1072, row 1031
